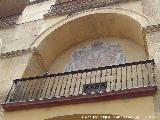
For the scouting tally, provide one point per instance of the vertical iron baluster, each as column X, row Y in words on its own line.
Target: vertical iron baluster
column 126, row 78
column 111, row 80
column 47, row 87
column 106, row 75
column 116, row 79
column 100, row 82
column 153, row 71
column 61, row 85
column 59, row 78
column 137, row 73
column 23, row 97
column 74, row 87
column 142, row 74
column 66, row 85
column 17, row 90
column 106, row 81
column 90, row 80
column 70, row 83
column 132, row 76
column 39, row 89
column 32, row 87
column 100, row 76
column 34, row 90
column 121, row 77
column 85, row 79
column 28, row 89
column 95, row 82
column 20, row 87
column 23, row 90
column 95, row 76
column 50, row 94
column 146, row 65
column 42, row 88
column 80, row 84
column 9, row 94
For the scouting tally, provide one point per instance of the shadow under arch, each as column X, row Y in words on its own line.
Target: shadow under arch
column 79, row 28
column 90, row 117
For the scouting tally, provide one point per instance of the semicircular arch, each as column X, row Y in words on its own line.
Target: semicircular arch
column 92, row 24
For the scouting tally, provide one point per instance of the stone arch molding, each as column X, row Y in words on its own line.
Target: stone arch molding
column 42, row 42
column 139, row 17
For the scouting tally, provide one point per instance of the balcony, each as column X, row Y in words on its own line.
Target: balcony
column 73, row 6
column 121, row 81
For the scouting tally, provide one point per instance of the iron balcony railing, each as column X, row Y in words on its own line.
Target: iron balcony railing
column 83, row 82
column 73, row 6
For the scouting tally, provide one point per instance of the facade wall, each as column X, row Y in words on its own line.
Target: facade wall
column 153, row 46
column 32, row 24
column 137, row 107
column 12, row 68
column 151, row 8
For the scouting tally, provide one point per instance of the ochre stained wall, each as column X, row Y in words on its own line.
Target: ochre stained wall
column 138, row 107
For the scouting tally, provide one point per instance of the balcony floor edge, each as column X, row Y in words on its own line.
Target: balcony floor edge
column 113, row 95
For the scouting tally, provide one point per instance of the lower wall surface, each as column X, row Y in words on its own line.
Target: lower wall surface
column 137, row 107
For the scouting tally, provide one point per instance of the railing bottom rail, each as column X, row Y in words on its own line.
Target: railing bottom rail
column 113, row 95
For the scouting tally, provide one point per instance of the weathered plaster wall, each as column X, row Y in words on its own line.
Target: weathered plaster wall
column 23, row 35
column 151, row 8
column 35, row 11
column 153, row 39
column 10, row 69
column 32, row 23
column 20, row 36
column 142, row 107
column 33, row 68
column 130, row 50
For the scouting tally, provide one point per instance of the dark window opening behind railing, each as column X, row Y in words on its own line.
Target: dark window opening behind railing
column 83, row 82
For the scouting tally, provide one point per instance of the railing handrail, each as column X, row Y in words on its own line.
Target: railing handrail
column 85, row 70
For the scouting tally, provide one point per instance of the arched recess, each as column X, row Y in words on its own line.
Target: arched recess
column 90, row 117
column 118, row 23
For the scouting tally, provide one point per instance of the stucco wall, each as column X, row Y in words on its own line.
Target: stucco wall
column 11, row 69
column 33, row 68
column 32, row 23
column 151, row 8
column 153, row 39
column 142, row 107
column 23, row 35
